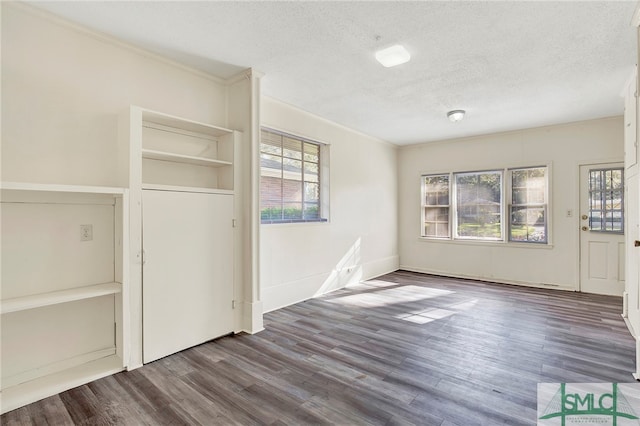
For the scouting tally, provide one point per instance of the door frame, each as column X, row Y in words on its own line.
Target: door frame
column 577, row 213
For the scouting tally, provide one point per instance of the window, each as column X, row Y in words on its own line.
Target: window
column 606, row 200
column 479, row 205
column 436, row 206
column 472, row 205
column 528, row 209
column 290, row 178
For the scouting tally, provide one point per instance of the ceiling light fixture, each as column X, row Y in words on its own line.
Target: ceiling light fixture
column 392, row 56
column 456, row 115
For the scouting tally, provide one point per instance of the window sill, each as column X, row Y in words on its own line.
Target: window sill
column 479, row 243
column 294, row 222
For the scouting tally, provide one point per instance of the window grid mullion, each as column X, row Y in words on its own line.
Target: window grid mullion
column 302, row 181
column 295, row 171
column 489, row 204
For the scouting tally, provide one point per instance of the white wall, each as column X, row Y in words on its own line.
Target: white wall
column 62, row 91
column 299, row 261
column 564, row 147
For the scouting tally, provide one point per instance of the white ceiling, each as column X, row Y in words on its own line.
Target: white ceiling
column 510, row 65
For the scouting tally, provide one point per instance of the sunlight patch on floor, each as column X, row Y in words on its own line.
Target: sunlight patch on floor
column 426, row 316
column 431, row 314
column 390, row 296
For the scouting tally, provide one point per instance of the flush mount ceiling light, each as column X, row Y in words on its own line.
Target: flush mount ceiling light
column 392, row 56
column 455, row 115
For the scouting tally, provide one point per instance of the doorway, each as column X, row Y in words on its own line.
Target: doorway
column 602, row 256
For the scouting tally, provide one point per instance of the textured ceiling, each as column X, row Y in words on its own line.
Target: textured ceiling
column 511, row 65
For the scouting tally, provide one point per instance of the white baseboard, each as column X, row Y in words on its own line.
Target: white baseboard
column 252, row 317
column 289, row 293
column 56, row 367
column 42, row 387
column 564, row 287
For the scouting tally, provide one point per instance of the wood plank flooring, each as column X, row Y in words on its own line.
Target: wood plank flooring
column 404, row 349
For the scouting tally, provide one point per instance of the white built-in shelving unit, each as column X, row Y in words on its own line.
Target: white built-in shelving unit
column 181, row 181
column 64, row 301
column 181, row 154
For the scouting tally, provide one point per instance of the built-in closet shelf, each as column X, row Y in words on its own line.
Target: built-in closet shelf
column 42, row 222
column 176, row 188
column 180, row 158
column 33, row 390
column 153, row 119
column 81, row 189
column 56, row 297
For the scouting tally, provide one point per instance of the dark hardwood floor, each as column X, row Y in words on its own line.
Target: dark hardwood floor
column 403, row 349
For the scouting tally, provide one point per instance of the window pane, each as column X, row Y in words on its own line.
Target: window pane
column 614, row 220
column 519, row 196
column 528, row 224
column 292, row 182
column 311, row 152
column 292, row 148
column 527, row 215
column 271, row 210
column 292, row 190
column 292, row 211
column 606, row 200
column 311, row 192
column 436, row 214
column 537, row 196
column 436, row 189
column 311, row 172
column 614, row 179
column 311, row 211
column 271, row 189
column 436, row 222
column 479, row 205
column 436, row 206
column 271, row 165
column 271, row 143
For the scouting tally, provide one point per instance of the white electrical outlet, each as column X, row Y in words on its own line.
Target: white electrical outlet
column 86, row 232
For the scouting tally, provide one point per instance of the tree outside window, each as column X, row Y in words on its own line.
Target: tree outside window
column 479, row 205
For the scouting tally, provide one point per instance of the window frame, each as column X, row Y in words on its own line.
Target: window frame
column 454, row 182
column 435, row 206
column 323, row 178
column 544, row 205
column 505, row 207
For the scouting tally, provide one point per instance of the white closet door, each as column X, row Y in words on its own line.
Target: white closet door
column 188, row 271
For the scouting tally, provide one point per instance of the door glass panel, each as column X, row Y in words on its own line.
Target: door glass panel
column 606, row 200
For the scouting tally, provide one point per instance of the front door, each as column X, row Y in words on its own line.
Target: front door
column 601, row 228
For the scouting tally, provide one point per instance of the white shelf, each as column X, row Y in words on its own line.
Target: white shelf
column 94, row 351
column 180, row 158
column 182, row 123
column 56, row 297
column 24, row 186
column 34, row 390
column 176, row 188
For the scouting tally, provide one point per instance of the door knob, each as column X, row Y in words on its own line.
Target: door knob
column 585, row 228
column 585, row 217
column 636, row 243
